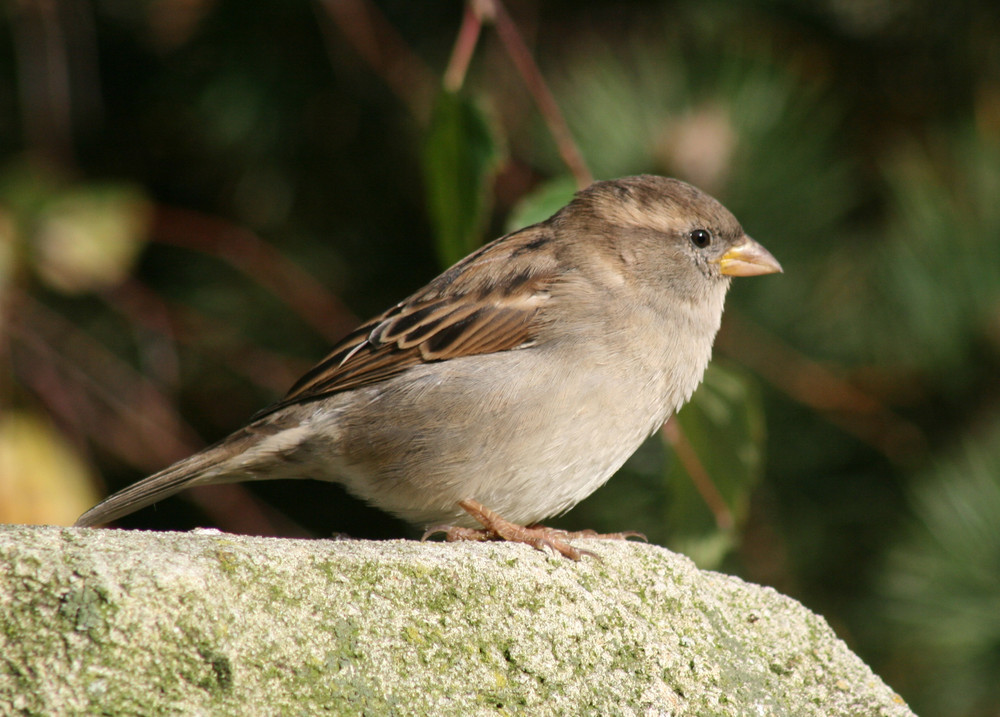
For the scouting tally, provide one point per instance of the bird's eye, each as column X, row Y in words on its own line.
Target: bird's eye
column 701, row 238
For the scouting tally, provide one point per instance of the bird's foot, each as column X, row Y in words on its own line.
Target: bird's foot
column 539, row 537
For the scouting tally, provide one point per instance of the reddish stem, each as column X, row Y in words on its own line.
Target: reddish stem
column 465, row 45
column 362, row 24
column 699, row 476
column 521, row 56
column 260, row 261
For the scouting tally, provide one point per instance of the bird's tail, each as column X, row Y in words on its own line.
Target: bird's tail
column 223, row 462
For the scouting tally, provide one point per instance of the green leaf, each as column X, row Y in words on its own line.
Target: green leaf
column 461, row 155
column 542, row 203
column 722, row 429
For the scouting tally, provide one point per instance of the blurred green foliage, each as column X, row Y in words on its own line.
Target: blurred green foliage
column 941, row 583
column 192, row 194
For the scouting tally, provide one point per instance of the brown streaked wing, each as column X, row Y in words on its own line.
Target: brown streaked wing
column 464, row 312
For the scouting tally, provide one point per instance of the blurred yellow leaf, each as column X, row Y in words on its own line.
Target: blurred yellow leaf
column 42, row 479
column 88, row 238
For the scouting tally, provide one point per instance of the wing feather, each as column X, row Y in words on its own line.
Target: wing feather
column 470, row 309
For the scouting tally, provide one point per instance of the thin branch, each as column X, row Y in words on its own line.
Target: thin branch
column 86, row 408
column 145, row 308
column 88, row 392
column 686, row 454
column 812, row 384
column 150, row 320
column 138, row 422
column 362, row 24
column 523, row 60
column 465, row 45
column 260, row 261
column 62, row 398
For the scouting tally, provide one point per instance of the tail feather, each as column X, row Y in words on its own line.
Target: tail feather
column 219, row 463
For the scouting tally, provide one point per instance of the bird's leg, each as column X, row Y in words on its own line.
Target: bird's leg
column 539, row 537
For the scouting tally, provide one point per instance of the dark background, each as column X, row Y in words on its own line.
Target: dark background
column 197, row 197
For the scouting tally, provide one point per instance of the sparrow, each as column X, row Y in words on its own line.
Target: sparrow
column 514, row 384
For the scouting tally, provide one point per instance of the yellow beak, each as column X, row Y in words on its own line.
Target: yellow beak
column 748, row 258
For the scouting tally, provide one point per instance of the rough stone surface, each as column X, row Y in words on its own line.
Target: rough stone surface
column 141, row 623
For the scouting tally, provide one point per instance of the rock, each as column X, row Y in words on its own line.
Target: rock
column 142, row 623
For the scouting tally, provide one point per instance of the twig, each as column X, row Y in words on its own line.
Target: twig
column 141, row 426
column 147, row 313
column 145, row 308
column 260, row 261
column 686, row 454
column 378, row 43
column 521, row 56
column 465, row 45
column 87, row 392
column 808, row 382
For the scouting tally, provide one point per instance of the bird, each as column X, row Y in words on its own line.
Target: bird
column 514, row 384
